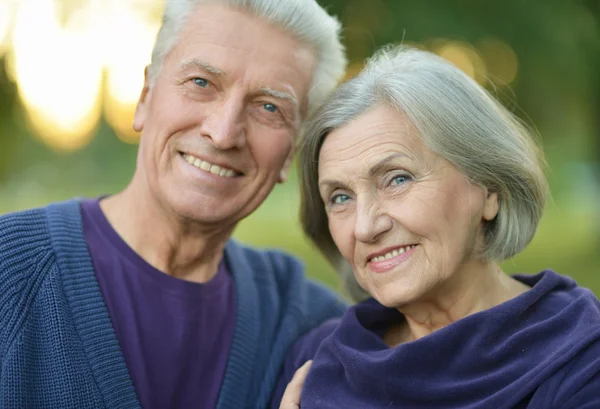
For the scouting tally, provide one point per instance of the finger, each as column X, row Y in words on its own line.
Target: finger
column 291, row 397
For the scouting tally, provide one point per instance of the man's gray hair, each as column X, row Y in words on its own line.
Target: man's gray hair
column 303, row 19
column 457, row 119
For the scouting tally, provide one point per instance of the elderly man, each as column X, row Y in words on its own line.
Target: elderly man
column 141, row 298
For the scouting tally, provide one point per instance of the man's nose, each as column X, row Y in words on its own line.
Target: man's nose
column 371, row 222
column 225, row 125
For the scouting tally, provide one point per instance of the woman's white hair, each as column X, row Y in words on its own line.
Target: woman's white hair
column 303, row 19
column 457, row 119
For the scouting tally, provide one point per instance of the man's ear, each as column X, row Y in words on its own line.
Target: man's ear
column 491, row 205
column 285, row 170
column 141, row 110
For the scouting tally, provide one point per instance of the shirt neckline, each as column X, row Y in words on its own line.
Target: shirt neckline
column 168, row 283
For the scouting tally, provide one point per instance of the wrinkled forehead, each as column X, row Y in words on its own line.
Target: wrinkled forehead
column 381, row 131
column 243, row 48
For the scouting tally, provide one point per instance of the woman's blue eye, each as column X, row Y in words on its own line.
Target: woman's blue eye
column 400, row 179
column 201, row 82
column 339, row 199
column 270, row 107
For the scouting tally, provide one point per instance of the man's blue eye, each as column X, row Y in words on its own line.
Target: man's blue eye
column 201, row 82
column 270, row 107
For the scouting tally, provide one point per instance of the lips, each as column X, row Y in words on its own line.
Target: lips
column 388, row 259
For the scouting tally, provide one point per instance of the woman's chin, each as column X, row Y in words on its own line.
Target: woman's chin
column 389, row 299
column 394, row 293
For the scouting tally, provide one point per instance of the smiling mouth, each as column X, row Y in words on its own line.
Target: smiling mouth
column 391, row 254
column 209, row 167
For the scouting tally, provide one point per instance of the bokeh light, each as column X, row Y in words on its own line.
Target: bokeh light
column 464, row 57
column 130, row 42
column 500, row 59
column 72, row 64
column 58, row 72
column 6, row 14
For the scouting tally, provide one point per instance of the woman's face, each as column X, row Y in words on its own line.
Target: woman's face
column 406, row 219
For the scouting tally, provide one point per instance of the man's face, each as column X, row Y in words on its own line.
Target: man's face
column 218, row 124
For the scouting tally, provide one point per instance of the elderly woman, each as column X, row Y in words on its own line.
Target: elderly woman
column 417, row 178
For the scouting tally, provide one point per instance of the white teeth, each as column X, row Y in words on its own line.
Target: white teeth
column 392, row 253
column 208, row 167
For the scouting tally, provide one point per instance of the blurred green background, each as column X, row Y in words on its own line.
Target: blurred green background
column 71, row 70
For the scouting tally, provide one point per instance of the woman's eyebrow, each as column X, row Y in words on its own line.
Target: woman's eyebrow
column 329, row 183
column 384, row 163
column 375, row 169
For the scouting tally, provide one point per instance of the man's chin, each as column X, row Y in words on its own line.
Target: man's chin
column 209, row 211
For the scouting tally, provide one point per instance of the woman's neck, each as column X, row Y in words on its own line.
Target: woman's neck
column 483, row 286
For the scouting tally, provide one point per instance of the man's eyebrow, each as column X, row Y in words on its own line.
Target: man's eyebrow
column 379, row 166
column 194, row 63
column 279, row 94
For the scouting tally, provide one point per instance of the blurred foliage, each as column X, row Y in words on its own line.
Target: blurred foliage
column 8, row 134
column 557, row 90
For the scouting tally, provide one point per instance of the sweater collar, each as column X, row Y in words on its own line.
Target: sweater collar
column 487, row 359
column 90, row 316
column 236, row 387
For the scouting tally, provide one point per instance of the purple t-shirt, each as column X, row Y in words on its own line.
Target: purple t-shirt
column 175, row 335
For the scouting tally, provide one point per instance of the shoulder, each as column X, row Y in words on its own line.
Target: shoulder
column 30, row 241
column 566, row 319
column 23, row 236
column 30, row 233
column 26, row 257
column 267, row 265
column 556, row 296
column 307, row 346
column 281, row 278
column 304, row 349
column 576, row 386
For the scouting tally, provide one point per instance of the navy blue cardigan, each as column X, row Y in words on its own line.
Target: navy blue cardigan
column 58, row 348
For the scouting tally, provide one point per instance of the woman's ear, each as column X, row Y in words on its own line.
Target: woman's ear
column 491, row 205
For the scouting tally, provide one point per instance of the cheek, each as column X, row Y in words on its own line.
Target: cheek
column 170, row 110
column 461, row 213
column 343, row 236
column 431, row 212
column 418, row 217
column 270, row 150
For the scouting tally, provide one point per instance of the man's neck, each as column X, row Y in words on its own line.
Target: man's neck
column 177, row 247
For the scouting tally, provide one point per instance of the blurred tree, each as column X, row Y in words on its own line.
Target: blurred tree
column 557, row 44
column 594, row 8
column 9, row 117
